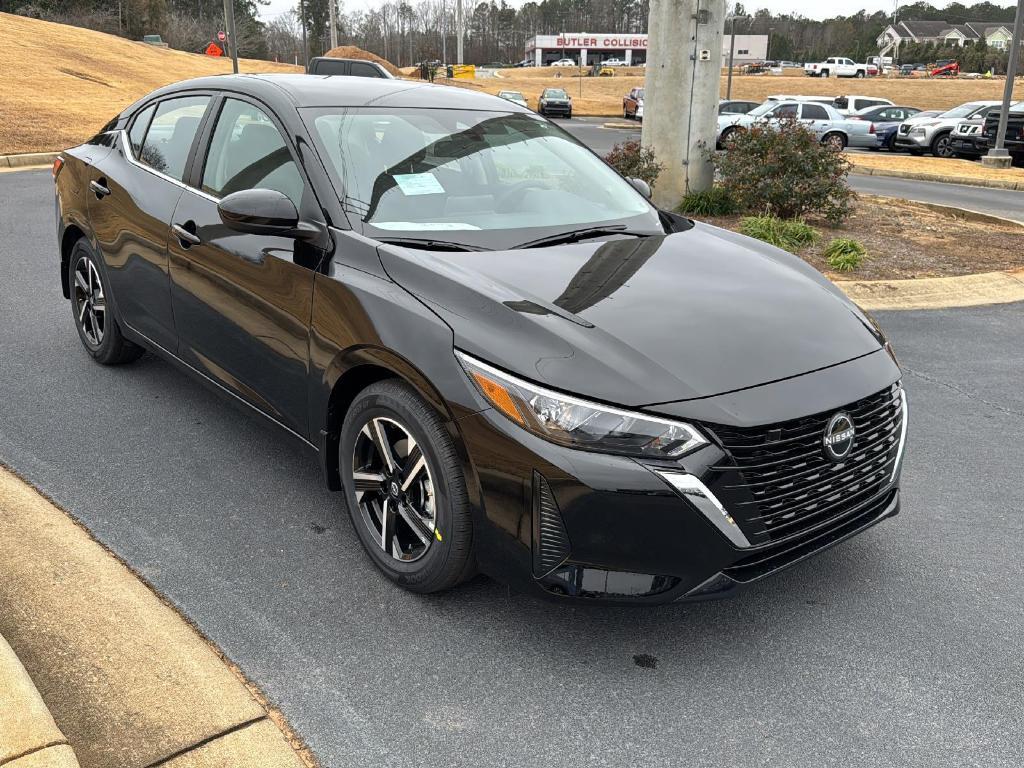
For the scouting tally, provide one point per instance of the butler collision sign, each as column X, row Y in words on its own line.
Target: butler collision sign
column 589, row 48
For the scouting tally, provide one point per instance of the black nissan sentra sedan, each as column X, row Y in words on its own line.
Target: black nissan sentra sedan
column 504, row 356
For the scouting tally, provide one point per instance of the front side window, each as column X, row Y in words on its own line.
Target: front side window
column 786, row 110
column 362, row 69
column 171, row 133
column 415, row 170
column 247, row 151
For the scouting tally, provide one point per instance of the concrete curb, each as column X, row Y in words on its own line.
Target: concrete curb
column 126, row 678
column 27, row 160
column 622, row 125
column 939, row 178
column 28, row 733
column 965, row 214
column 936, row 292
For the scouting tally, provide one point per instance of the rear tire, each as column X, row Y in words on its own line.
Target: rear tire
column 427, row 545
column 835, row 140
column 860, row 74
column 94, row 318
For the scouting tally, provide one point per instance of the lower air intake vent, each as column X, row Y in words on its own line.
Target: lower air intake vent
column 550, row 540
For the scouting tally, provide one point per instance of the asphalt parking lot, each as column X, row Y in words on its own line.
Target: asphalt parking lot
column 899, row 648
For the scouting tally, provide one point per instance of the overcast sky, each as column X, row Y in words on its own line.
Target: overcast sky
column 814, row 9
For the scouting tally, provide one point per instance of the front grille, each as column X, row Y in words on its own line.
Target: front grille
column 792, row 485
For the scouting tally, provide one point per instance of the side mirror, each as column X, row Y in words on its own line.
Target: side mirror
column 262, row 212
column 641, row 186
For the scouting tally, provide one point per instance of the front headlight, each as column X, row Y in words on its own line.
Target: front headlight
column 578, row 424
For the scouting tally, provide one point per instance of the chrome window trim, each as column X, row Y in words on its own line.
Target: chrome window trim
column 698, row 494
column 126, row 148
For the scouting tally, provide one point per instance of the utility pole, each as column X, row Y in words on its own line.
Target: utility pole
column 444, row 35
column 458, row 30
column 305, row 44
column 681, row 91
column 229, row 18
column 732, row 50
column 998, row 157
column 334, row 24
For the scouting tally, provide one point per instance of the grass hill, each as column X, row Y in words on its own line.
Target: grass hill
column 60, row 84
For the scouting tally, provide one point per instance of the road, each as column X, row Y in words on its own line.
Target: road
column 998, row 202
column 901, row 647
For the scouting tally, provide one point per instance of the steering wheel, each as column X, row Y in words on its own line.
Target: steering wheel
column 516, row 191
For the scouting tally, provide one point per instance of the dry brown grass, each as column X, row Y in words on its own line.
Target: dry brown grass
column 940, row 167
column 60, row 84
column 603, row 95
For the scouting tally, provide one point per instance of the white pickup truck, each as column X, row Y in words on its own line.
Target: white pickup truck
column 836, row 66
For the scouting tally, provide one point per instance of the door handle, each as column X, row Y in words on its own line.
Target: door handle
column 99, row 187
column 187, row 238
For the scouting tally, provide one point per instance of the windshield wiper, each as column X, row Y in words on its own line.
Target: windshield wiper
column 429, row 244
column 581, row 234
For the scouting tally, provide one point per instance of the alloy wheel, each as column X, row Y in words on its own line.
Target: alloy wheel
column 835, row 141
column 394, row 489
column 90, row 301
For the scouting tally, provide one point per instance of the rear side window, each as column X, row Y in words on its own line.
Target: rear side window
column 138, row 129
column 171, row 133
column 360, row 69
column 248, row 152
column 328, row 67
column 814, row 112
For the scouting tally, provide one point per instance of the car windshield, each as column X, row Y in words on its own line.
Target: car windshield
column 766, row 107
column 511, row 94
column 556, row 93
column 482, row 178
column 962, row 111
column 640, row 93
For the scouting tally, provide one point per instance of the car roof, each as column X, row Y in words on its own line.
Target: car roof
column 301, row 90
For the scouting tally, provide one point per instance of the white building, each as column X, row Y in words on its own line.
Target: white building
column 587, row 48
column 995, row 35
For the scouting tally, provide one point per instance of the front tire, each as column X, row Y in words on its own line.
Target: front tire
column 97, row 327
column 404, row 488
column 941, row 146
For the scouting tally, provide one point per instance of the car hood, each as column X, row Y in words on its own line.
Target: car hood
column 640, row 321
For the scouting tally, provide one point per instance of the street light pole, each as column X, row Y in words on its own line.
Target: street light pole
column 305, row 44
column 998, row 157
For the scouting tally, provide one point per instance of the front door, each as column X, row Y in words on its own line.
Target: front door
column 132, row 194
column 241, row 302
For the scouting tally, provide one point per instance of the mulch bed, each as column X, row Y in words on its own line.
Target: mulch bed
column 907, row 240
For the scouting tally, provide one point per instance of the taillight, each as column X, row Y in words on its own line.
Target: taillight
column 57, row 165
column 871, row 128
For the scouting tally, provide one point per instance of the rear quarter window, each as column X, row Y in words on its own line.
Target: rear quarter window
column 137, row 133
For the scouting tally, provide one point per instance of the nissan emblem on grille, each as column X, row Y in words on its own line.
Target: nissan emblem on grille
column 838, row 438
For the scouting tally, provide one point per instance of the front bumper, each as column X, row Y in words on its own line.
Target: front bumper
column 557, row 109
column 967, row 145
column 563, row 523
column 909, row 141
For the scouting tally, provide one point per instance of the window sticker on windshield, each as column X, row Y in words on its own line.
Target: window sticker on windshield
column 418, row 183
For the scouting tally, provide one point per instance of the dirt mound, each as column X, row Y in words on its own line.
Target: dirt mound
column 352, row 52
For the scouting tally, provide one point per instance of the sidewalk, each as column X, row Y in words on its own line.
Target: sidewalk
column 128, row 681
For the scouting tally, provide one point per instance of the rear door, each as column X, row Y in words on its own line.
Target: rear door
column 815, row 117
column 133, row 191
column 242, row 302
